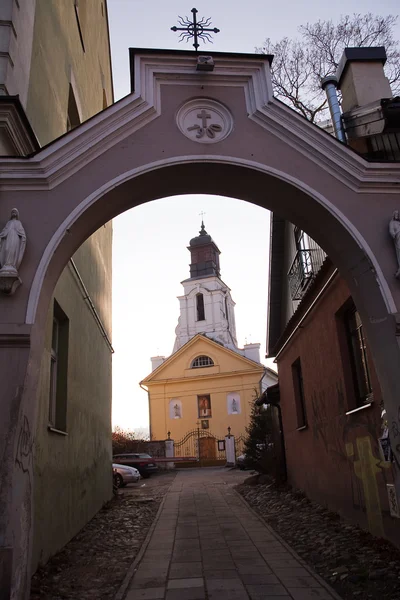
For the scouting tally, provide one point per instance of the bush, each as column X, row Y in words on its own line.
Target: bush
column 263, row 446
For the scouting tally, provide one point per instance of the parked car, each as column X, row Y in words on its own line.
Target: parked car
column 124, row 475
column 141, row 461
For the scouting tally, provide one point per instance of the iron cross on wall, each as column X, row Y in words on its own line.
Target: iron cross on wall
column 204, row 129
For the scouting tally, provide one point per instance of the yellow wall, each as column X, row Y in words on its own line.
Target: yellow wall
column 73, row 472
column 176, row 380
column 58, row 59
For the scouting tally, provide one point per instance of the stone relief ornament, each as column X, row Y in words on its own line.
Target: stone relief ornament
column 394, row 230
column 204, row 121
column 12, row 248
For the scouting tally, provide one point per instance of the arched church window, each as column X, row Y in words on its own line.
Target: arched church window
column 200, row 307
column 202, row 361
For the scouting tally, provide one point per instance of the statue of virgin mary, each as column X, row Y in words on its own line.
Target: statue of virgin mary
column 12, row 246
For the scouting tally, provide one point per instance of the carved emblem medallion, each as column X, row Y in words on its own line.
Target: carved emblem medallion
column 204, row 121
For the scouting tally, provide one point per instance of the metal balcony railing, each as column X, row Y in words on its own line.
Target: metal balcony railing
column 304, row 268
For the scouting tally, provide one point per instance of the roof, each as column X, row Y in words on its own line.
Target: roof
column 251, row 364
column 189, row 53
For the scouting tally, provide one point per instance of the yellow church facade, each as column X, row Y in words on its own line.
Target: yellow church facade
column 203, row 385
column 207, row 387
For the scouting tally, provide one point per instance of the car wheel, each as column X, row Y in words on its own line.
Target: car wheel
column 145, row 475
column 119, row 482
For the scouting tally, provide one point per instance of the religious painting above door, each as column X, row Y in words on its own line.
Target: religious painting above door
column 204, row 406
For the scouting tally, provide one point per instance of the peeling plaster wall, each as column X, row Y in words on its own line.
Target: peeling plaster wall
column 72, row 474
column 336, row 459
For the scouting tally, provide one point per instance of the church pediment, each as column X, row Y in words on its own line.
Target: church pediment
column 180, row 364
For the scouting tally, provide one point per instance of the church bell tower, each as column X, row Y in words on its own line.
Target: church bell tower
column 206, row 305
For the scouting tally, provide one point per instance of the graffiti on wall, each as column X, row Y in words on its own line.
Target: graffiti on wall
column 366, row 468
column 339, row 438
column 24, row 446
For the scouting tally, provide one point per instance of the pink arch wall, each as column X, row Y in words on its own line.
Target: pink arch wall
column 134, row 152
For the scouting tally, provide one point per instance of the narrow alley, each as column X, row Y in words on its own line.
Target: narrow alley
column 207, row 543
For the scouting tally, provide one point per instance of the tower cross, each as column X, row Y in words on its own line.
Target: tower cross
column 195, row 29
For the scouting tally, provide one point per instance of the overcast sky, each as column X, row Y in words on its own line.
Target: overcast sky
column 150, row 256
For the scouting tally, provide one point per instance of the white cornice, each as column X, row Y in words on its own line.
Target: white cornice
column 328, row 153
column 70, row 153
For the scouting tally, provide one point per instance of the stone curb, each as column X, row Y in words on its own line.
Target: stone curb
column 120, row 595
column 321, row 581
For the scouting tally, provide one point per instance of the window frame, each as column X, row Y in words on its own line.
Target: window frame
column 299, row 395
column 53, row 371
column 202, row 366
column 200, row 307
column 58, row 377
column 79, row 23
column 73, row 116
column 358, row 358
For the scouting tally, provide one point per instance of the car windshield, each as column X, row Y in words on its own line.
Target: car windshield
column 144, row 456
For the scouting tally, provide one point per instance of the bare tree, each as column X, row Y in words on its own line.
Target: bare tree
column 300, row 64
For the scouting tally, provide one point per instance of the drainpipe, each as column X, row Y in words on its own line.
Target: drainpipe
column 329, row 84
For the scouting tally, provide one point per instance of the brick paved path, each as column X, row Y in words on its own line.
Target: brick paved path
column 208, row 544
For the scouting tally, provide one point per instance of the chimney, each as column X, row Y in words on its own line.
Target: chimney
column 361, row 77
column 156, row 361
column 364, row 86
column 252, row 352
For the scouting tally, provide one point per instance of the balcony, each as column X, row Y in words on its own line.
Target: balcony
column 304, row 268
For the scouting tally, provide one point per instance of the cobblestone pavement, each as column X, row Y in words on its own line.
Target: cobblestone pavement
column 208, row 544
column 95, row 562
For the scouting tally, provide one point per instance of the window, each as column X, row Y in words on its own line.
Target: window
column 358, row 356
column 105, row 103
column 202, row 361
column 73, row 118
column 226, row 309
column 303, row 247
column 298, row 387
column 80, row 14
column 301, row 271
column 58, row 370
column 200, row 307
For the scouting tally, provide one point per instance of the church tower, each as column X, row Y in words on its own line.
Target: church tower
column 206, row 306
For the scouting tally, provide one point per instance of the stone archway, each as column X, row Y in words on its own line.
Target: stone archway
column 154, row 143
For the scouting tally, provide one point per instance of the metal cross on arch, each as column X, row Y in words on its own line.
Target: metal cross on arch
column 195, row 29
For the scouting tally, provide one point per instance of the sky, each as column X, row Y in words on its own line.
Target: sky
column 150, row 256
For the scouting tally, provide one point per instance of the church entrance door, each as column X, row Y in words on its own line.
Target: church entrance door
column 207, row 448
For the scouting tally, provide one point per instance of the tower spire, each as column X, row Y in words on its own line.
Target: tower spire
column 204, row 254
column 202, row 229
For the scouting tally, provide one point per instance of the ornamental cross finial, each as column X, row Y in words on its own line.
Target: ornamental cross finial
column 195, row 29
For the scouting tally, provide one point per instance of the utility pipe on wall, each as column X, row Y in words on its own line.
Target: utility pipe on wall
column 329, row 85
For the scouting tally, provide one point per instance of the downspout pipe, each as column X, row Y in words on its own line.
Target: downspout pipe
column 329, row 85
